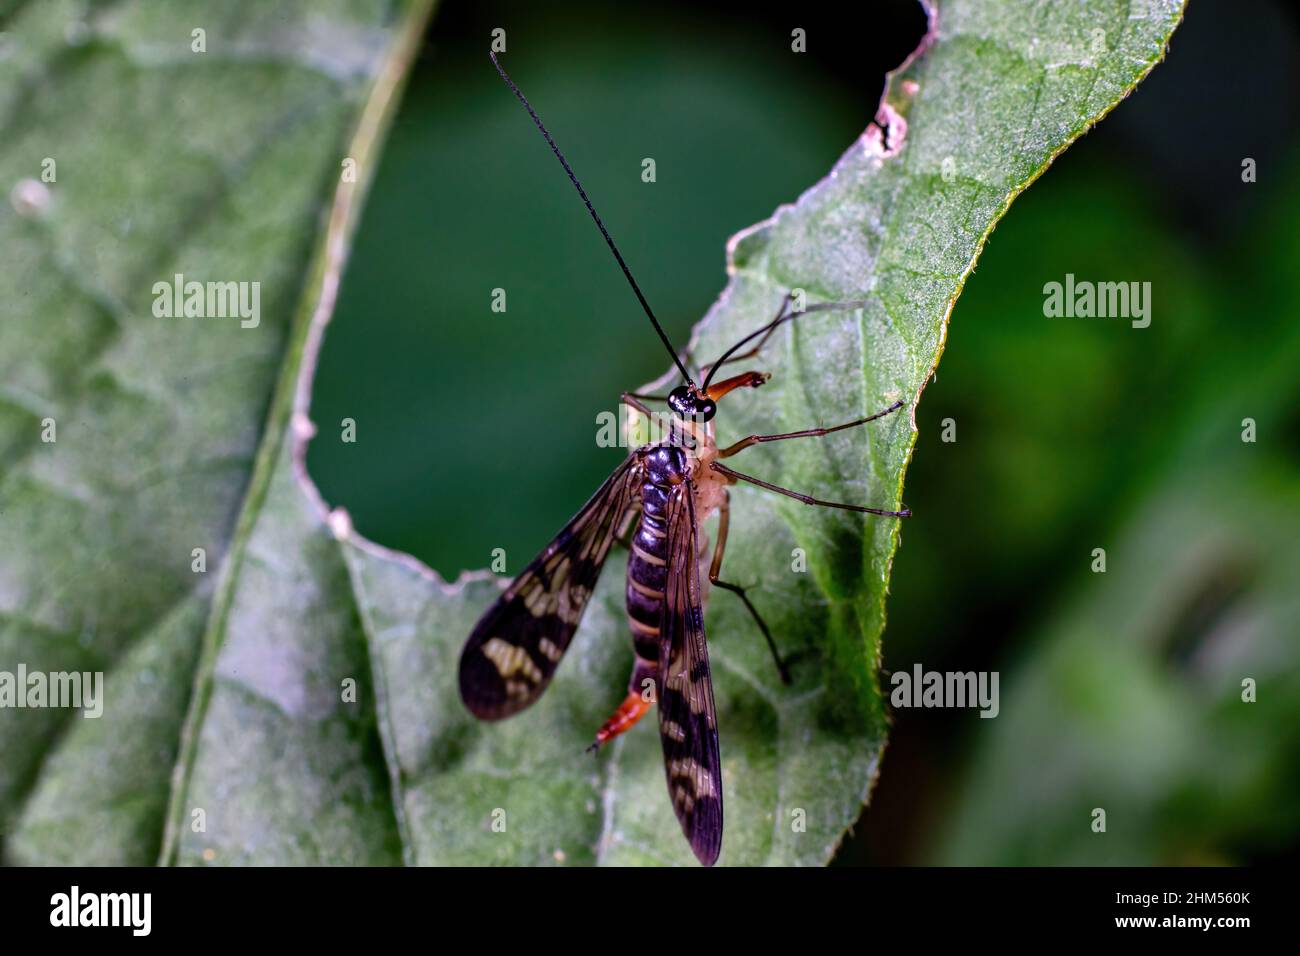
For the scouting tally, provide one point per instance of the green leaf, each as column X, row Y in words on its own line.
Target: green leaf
column 218, row 165
column 287, row 769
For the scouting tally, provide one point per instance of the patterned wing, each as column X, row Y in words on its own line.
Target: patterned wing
column 514, row 649
column 687, row 719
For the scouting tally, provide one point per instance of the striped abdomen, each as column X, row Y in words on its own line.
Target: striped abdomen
column 665, row 468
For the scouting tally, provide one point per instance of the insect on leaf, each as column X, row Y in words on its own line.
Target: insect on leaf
column 234, row 684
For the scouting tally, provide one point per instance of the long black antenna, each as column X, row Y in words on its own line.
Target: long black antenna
column 596, row 216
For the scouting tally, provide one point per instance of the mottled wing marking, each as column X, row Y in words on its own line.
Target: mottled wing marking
column 687, row 718
column 514, row 649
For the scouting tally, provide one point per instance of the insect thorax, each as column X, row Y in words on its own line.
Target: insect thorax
column 693, row 445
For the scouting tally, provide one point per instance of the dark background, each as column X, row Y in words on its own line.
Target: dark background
column 474, row 428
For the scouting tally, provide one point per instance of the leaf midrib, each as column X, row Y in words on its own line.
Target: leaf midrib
column 293, row 387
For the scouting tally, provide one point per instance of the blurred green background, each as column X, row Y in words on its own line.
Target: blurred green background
column 1118, row 690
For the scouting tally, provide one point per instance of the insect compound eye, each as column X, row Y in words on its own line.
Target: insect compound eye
column 681, row 401
column 692, row 405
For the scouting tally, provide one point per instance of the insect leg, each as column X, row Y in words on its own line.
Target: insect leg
column 806, row 433
column 724, row 519
column 633, row 399
column 806, row 499
column 657, row 424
